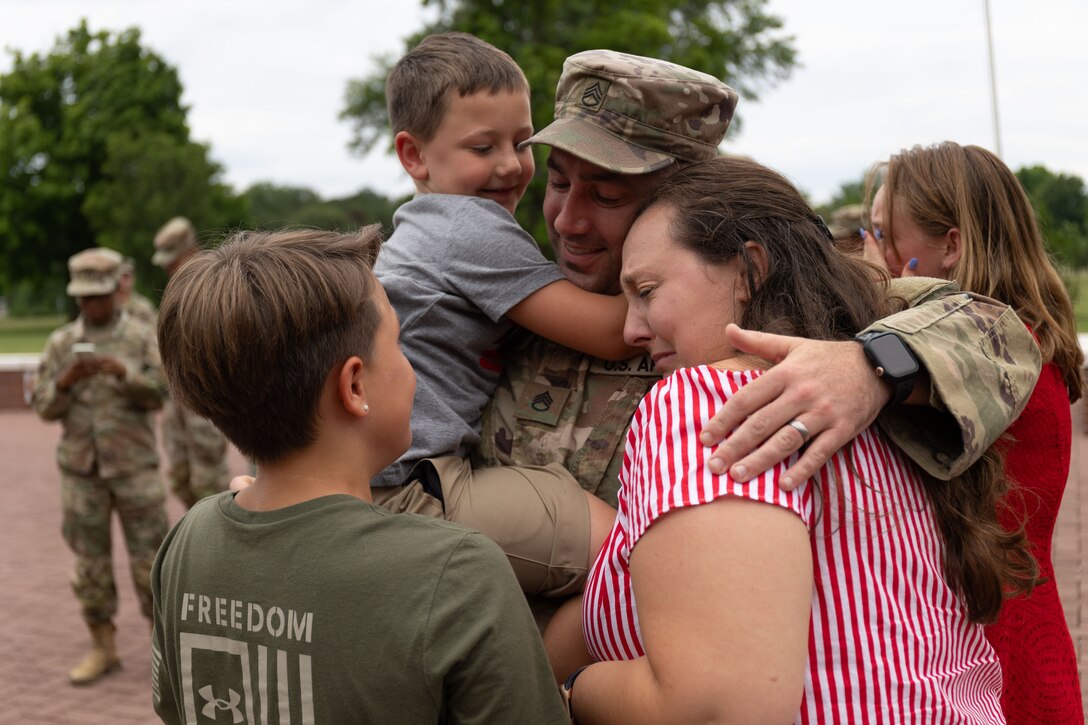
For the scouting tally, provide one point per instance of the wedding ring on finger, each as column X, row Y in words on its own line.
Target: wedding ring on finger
column 802, row 429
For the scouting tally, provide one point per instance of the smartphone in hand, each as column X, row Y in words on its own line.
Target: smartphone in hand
column 83, row 350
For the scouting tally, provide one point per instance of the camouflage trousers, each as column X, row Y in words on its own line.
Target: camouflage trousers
column 196, row 454
column 88, row 503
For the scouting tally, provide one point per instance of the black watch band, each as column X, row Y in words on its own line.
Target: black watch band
column 567, row 691
column 892, row 361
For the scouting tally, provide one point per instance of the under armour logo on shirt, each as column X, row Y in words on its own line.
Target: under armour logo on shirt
column 211, row 710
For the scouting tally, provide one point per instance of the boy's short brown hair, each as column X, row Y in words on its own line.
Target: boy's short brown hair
column 250, row 331
column 417, row 89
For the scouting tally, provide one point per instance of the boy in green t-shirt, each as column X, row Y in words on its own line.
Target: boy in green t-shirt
column 298, row 595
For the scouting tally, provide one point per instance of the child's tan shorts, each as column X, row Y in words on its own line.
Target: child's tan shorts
column 537, row 514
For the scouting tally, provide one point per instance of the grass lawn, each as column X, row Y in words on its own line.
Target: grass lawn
column 27, row 334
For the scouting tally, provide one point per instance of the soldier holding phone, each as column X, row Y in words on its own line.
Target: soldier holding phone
column 101, row 377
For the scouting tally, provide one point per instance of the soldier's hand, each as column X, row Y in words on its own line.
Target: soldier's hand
column 828, row 387
column 73, row 372
column 112, row 366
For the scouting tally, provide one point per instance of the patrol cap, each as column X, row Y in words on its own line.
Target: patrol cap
column 634, row 115
column 175, row 238
column 94, row 272
column 847, row 220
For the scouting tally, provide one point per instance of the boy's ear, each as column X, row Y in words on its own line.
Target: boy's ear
column 350, row 388
column 410, row 153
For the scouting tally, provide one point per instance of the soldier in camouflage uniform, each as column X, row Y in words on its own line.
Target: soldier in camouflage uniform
column 100, row 376
column 196, row 451
column 845, row 226
column 624, row 122
column 135, row 304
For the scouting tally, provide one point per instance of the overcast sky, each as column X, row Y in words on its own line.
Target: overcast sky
column 265, row 81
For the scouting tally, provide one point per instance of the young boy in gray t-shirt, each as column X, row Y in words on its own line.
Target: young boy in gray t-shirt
column 461, row 274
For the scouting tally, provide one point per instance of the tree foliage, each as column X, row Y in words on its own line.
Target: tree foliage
column 738, row 41
column 272, row 206
column 1061, row 204
column 850, row 192
column 95, row 150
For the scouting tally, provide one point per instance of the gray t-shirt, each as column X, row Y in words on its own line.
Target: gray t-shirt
column 452, row 268
column 337, row 611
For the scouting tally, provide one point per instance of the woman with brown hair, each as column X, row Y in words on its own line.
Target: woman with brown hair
column 860, row 596
column 958, row 212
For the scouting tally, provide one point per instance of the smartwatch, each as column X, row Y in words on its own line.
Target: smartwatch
column 892, row 361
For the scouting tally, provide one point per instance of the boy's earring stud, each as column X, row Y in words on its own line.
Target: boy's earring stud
column 366, row 408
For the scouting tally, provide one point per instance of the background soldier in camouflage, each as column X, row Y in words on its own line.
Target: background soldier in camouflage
column 615, row 136
column 107, row 455
column 135, row 304
column 196, row 451
column 845, row 226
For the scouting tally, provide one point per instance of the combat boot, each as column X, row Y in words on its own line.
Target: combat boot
column 100, row 660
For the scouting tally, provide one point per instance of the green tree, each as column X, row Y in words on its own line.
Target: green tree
column 370, row 207
column 95, row 150
column 1061, row 203
column 850, row 192
column 272, row 206
column 147, row 179
column 738, row 41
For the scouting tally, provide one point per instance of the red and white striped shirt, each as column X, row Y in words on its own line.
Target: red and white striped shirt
column 888, row 640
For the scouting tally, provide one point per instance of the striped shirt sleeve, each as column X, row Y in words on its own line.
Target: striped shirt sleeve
column 667, row 464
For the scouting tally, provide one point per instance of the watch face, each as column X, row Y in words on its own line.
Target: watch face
column 893, row 356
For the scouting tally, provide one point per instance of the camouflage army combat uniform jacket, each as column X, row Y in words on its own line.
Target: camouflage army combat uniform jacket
column 141, row 308
column 555, row 404
column 108, row 427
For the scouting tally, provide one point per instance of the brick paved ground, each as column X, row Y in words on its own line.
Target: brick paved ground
column 43, row 636
column 41, row 632
column 1071, row 545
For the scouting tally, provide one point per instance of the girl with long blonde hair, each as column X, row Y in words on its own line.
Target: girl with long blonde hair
column 960, row 213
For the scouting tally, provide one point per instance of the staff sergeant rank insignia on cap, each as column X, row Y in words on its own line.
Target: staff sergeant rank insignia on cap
column 592, row 96
column 634, row 115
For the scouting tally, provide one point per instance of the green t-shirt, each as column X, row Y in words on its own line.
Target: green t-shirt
column 338, row 611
